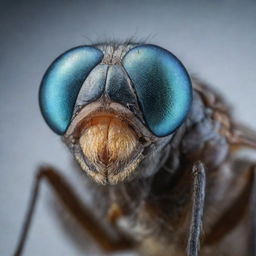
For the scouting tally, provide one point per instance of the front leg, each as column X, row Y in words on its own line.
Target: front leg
column 75, row 207
column 197, row 209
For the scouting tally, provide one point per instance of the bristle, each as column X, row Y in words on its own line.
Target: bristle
column 107, row 140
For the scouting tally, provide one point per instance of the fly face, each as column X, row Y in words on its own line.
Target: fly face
column 115, row 106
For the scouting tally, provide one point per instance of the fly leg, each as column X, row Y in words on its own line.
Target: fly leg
column 197, row 209
column 77, row 209
column 245, row 201
column 252, row 246
column 245, row 137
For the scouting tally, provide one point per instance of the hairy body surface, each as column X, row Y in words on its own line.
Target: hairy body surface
column 157, row 183
column 156, row 210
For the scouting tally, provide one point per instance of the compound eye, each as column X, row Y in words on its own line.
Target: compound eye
column 61, row 84
column 162, row 85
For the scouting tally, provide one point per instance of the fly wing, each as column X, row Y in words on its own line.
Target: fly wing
column 243, row 136
column 238, row 135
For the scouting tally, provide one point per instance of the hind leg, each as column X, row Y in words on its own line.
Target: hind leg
column 75, row 207
column 241, row 209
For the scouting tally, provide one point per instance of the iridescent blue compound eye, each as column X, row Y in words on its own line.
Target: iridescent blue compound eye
column 62, row 82
column 162, row 85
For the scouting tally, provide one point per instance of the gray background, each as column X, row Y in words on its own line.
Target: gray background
column 216, row 40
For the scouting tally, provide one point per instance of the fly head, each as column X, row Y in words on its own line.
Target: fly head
column 116, row 106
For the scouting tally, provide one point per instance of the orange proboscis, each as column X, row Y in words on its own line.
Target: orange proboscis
column 107, row 139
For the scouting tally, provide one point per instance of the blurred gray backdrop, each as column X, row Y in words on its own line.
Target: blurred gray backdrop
column 216, row 40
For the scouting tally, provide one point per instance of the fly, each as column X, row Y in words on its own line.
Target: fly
column 162, row 147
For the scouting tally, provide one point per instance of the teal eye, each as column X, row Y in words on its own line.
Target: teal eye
column 162, row 85
column 62, row 82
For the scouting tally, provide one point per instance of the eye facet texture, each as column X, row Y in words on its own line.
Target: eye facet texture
column 62, row 82
column 162, row 85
